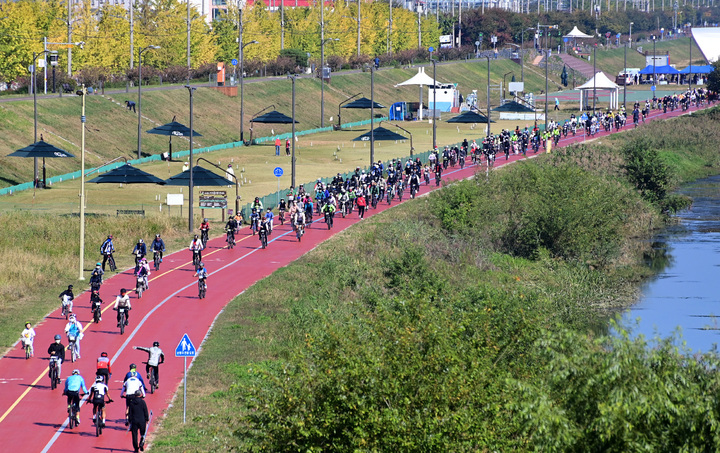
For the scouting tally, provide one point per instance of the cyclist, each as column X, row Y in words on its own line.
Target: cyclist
column 205, row 231
column 66, row 297
column 329, row 210
column 254, row 220
column 27, row 337
column 107, row 249
column 98, row 392
column 95, row 302
column 96, row 278
column 158, row 246
column 133, row 386
column 103, row 367
column 144, row 272
column 202, row 273
column 74, row 329
column 57, row 354
column 269, row 217
column 257, row 204
column 196, row 246
column 230, row 228
column 140, row 250
column 73, row 385
column 123, row 301
column 155, row 358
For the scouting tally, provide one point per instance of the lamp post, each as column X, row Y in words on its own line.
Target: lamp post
column 372, row 114
column 139, row 102
column 625, row 78
column 630, row 35
column 322, row 75
column 689, row 73
column 358, row 28
column 192, row 188
column 547, row 58
column 434, row 63
column 522, row 47
column 34, row 90
column 82, row 93
column 488, row 95
column 292, row 166
column 188, row 77
column 594, row 81
column 654, row 82
column 242, row 85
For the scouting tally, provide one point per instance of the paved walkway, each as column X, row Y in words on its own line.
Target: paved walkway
column 581, row 66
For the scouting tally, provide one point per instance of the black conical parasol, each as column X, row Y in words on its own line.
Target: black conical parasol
column 127, row 174
column 469, row 117
column 380, row 134
column 362, row 103
column 201, row 177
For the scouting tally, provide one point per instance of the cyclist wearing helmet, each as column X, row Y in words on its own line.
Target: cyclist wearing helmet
column 123, row 301
column 95, row 302
column 103, row 367
column 196, row 246
column 132, row 384
column 158, row 246
column 202, row 272
column 74, row 329
column 57, row 353
column 257, row 204
column 28, row 337
column 205, row 231
column 73, row 385
column 96, row 278
column 140, row 250
column 155, row 358
column 98, row 392
column 107, row 249
column 143, row 271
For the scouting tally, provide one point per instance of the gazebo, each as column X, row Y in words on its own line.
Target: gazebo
column 599, row 82
column 421, row 79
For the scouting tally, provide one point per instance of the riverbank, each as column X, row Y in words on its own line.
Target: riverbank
column 472, row 319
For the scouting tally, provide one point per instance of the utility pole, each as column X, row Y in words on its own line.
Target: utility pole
column 132, row 34
column 358, row 28
column 188, row 81
column 69, row 24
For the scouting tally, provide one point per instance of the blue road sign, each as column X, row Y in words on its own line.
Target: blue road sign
column 618, row 35
column 431, row 49
column 278, row 172
column 565, row 40
column 234, row 61
column 185, row 348
column 652, row 88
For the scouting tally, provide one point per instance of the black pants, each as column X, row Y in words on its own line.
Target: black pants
column 157, row 372
column 127, row 316
column 137, row 430
column 105, row 258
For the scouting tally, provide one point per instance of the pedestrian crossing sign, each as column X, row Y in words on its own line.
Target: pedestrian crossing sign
column 185, row 348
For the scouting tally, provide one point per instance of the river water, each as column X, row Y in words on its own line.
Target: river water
column 685, row 293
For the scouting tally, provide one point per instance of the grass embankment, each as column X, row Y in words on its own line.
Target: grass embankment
column 611, row 60
column 470, row 320
column 111, row 130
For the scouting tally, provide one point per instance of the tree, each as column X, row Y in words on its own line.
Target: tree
column 713, row 82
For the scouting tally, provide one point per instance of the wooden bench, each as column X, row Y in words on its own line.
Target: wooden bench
column 130, row 212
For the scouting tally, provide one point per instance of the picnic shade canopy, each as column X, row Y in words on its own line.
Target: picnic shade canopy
column 599, row 82
column 665, row 69
column 171, row 129
column 421, row 79
column 513, row 107
column 201, row 177
column 363, row 103
column 127, row 174
column 576, row 33
column 41, row 149
column 271, row 117
column 380, row 133
column 469, row 117
column 699, row 69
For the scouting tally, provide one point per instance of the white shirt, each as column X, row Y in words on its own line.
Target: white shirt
column 132, row 385
column 28, row 335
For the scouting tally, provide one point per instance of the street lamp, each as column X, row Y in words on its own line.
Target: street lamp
column 192, row 188
column 488, row 95
column 82, row 92
column 522, row 47
column 372, row 114
column 292, row 179
column 139, row 102
column 322, row 78
column 434, row 63
column 547, row 58
column 242, row 86
column 654, row 82
column 34, row 90
column 630, row 36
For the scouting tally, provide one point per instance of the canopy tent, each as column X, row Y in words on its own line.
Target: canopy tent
column 380, row 134
column 697, row 69
column 273, row 117
column 421, row 79
column 576, row 33
column 665, row 69
column 708, row 40
column 513, row 107
column 41, row 149
column 171, row 129
column 469, row 117
column 127, row 174
column 599, row 82
column 201, row 177
column 363, row 103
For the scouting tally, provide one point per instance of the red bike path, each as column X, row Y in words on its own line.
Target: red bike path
column 33, row 418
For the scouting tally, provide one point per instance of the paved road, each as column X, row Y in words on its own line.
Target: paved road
column 33, row 417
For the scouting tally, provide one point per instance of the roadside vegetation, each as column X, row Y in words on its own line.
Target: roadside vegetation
column 475, row 319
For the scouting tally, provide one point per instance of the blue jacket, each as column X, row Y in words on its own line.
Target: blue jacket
column 138, row 375
column 140, row 248
column 74, row 383
column 158, row 245
column 107, row 247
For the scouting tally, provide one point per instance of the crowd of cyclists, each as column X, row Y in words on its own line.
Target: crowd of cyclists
column 359, row 192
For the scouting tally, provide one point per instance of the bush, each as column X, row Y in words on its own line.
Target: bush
column 204, row 71
column 335, row 62
column 281, row 66
column 298, row 56
column 359, row 62
column 175, row 74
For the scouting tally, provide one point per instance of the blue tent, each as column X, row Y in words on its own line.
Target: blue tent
column 398, row 111
column 667, row 69
column 698, row 69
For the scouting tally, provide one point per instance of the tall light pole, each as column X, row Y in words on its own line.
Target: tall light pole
column 594, row 82
column 389, row 40
column 522, row 46
column 139, row 102
column 131, row 7
column 488, row 95
column 434, row 63
column 358, row 29
column 626, row 76
column 82, row 93
column 372, row 114
column 188, row 77
column 322, row 76
column 689, row 73
column 242, row 86
column 630, row 35
column 34, row 90
column 654, row 81
column 547, row 59
column 292, row 166
column 192, row 186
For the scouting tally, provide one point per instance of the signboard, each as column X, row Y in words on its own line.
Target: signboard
column 445, row 41
column 213, row 199
column 174, row 199
column 278, row 172
column 185, row 348
column 516, row 87
column 660, row 60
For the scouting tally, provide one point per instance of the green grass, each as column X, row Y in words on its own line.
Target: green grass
column 611, row 60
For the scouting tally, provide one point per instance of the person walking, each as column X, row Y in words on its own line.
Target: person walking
column 139, row 418
column 278, row 142
column 287, row 147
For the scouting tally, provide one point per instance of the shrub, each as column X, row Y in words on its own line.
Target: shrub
column 298, row 56
column 335, row 62
column 175, row 74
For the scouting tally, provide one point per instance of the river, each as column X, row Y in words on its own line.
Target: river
column 685, row 292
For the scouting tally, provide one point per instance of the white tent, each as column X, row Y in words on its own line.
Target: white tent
column 420, row 79
column 576, row 33
column 599, row 82
column 708, row 40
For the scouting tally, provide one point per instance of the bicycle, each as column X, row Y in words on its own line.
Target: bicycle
column 263, row 237
column 196, row 259
column 230, row 238
column 156, row 261
column 202, row 288
column 413, row 191
column 66, row 307
column 111, row 263
column 54, row 377
column 123, row 319
column 97, row 418
column 329, row 220
column 204, row 237
column 140, row 286
column 299, row 231
column 28, row 349
column 153, row 379
column 73, row 410
column 72, row 346
column 254, row 225
column 282, row 217
column 97, row 313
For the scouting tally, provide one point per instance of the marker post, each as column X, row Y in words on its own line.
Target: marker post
column 185, row 349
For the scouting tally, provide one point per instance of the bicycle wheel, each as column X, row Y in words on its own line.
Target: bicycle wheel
column 139, row 290
column 71, row 418
column 111, row 262
column 157, row 262
column 122, row 324
column 98, row 425
column 27, row 351
column 96, row 316
column 53, row 378
column 153, row 381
